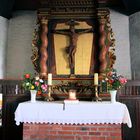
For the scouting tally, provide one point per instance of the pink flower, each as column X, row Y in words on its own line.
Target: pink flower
column 44, row 87
column 37, row 83
column 122, row 80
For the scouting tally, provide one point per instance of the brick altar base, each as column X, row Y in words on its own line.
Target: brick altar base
column 71, row 132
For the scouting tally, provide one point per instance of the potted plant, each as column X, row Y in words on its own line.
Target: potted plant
column 114, row 82
column 34, row 85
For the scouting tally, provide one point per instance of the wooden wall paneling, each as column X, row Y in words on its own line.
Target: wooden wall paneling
column 138, row 119
column 130, row 95
column 133, row 104
column 13, row 94
column 11, row 101
column 129, row 133
column 10, row 129
column 0, row 115
column 1, row 132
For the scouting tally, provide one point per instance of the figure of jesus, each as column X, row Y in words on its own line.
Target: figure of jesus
column 73, row 36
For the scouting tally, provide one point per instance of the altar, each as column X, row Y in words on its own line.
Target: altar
column 84, row 120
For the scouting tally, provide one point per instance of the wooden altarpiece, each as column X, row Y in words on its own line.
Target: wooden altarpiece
column 73, row 40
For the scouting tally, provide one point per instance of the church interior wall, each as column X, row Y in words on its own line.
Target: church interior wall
column 3, row 45
column 20, row 34
column 134, row 27
column 120, row 26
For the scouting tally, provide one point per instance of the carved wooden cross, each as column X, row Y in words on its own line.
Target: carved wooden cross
column 73, row 36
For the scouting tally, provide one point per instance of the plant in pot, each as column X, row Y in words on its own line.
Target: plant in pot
column 35, row 85
column 114, row 82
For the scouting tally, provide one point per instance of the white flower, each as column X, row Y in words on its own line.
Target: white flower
column 27, row 84
column 106, row 79
column 37, row 78
column 40, row 80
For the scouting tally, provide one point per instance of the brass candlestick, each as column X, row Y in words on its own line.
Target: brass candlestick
column 49, row 97
column 97, row 98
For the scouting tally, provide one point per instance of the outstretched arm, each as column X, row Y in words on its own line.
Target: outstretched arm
column 86, row 31
column 60, row 32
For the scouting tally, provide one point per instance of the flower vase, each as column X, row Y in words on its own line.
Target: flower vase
column 33, row 96
column 113, row 95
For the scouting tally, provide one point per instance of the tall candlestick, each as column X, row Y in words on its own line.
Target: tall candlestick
column 95, row 78
column 49, row 78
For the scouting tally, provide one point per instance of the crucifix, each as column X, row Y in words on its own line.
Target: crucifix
column 73, row 35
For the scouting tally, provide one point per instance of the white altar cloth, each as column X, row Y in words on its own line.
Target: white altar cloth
column 80, row 113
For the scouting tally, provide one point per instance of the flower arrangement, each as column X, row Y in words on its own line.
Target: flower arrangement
column 34, row 83
column 115, row 81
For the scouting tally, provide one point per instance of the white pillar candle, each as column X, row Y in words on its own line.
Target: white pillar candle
column 49, row 78
column 95, row 78
column 0, row 100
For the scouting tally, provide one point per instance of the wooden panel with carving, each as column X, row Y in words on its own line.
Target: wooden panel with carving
column 92, row 35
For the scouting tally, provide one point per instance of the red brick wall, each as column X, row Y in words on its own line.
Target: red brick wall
column 71, row 132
